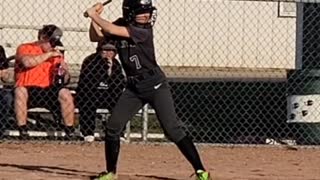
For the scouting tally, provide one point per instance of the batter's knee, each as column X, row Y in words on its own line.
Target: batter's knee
column 112, row 134
column 175, row 135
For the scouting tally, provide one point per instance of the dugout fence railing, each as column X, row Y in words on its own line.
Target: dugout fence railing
column 240, row 71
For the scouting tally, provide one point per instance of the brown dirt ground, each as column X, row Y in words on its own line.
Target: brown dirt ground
column 60, row 161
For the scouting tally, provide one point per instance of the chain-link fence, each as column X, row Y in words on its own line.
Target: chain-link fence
column 240, row 71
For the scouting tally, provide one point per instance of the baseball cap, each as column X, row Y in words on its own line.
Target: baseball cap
column 53, row 33
column 108, row 46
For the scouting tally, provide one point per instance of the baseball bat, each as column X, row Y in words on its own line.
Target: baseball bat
column 85, row 14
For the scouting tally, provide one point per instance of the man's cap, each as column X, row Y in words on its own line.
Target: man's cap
column 53, row 33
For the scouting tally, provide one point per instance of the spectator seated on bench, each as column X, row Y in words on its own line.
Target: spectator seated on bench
column 40, row 77
column 101, row 83
column 5, row 92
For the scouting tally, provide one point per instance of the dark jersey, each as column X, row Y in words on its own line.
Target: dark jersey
column 137, row 52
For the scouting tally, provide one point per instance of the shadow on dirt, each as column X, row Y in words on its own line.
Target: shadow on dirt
column 49, row 169
column 77, row 173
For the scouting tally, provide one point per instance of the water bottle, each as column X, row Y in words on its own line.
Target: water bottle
column 59, row 77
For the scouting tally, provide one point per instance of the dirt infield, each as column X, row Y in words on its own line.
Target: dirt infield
column 60, row 161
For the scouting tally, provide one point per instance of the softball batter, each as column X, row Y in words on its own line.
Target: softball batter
column 146, row 82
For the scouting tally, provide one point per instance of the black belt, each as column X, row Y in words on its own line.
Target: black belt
column 145, row 75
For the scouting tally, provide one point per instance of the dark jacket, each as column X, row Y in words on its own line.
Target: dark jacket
column 94, row 83
column 4, row 63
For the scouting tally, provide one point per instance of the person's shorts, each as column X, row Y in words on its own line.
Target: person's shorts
column 44, row 97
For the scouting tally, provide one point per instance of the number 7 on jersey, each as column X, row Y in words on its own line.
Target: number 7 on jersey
column 135, row 59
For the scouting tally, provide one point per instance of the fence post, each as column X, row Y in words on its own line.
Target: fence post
column 145, row 123
column 128, row 131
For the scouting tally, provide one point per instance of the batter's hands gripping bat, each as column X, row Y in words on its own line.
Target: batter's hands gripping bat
column 85, row 14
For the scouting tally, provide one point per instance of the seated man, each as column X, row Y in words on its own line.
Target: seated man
column 101, row 83
column 5, row 92
column 40, row 74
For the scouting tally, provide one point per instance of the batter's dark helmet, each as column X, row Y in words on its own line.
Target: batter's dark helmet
column 131, row 8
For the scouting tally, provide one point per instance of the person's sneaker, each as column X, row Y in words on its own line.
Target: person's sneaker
column 23, row 135
column 23, row 132
column 1, row 135
column 123, row 139
column 71, row 136
column 89, row 138
column 202, row 175
column 105, row 176
column 2, row 131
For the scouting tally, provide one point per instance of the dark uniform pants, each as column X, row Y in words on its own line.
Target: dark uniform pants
column 87, row 113
column 88, row 106
column 129, row 104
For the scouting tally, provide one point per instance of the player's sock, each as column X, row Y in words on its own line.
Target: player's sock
column 23, row 131
column 112, row 148
column 189, row 150
column 23, row 128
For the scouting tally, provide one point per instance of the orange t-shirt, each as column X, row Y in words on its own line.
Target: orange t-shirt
column 40, row 75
